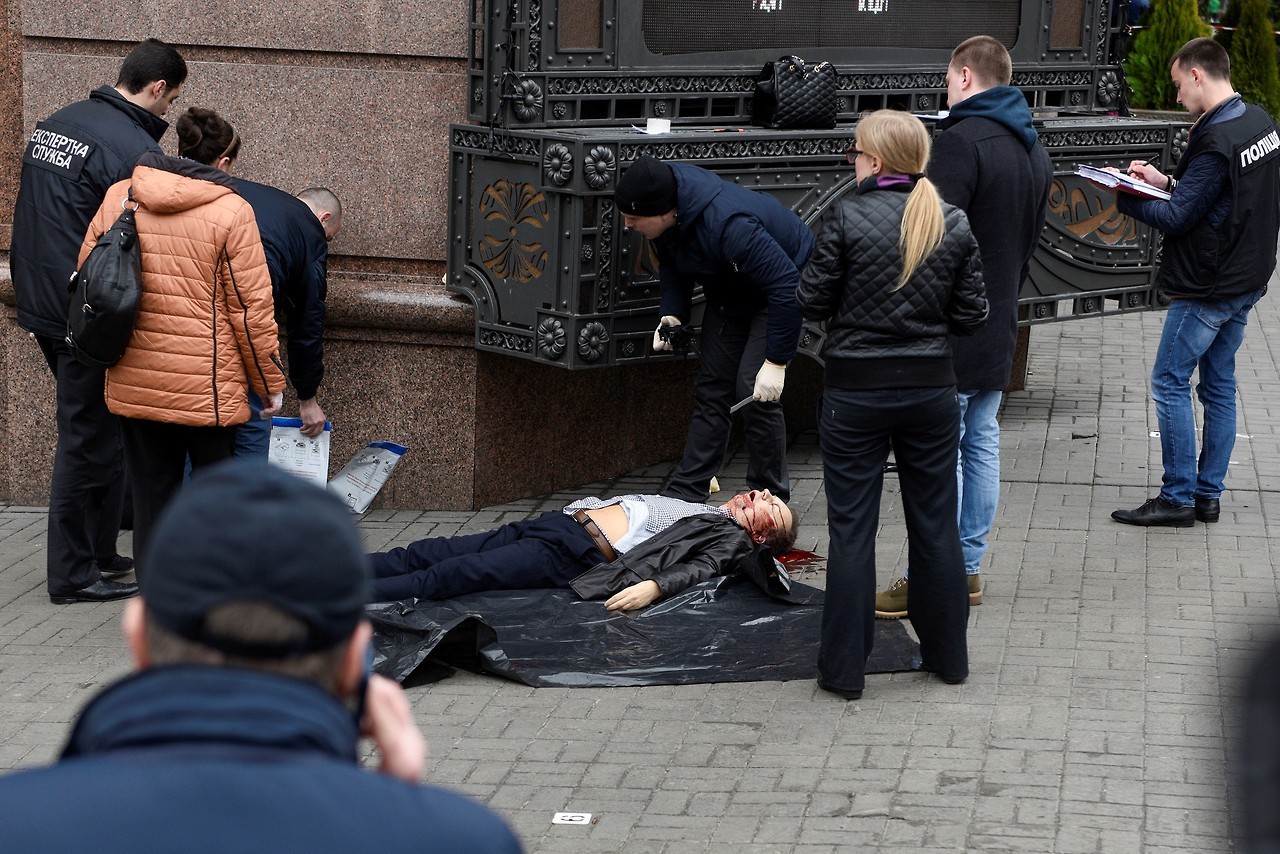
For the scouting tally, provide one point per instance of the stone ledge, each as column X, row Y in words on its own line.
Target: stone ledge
column 368, row 303
column 379, row 303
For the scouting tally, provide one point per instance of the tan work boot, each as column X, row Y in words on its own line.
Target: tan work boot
column 975, row 588
column 891, row 604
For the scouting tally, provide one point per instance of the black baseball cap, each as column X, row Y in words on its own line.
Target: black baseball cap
column 246, row 531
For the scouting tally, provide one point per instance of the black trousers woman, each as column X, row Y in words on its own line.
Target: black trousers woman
column 895, row 270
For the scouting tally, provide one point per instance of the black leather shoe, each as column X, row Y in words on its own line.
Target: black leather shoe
column 848, row 695
column 1208, row 510
column 119, row 565
column 98, row 591
column 1157, row 511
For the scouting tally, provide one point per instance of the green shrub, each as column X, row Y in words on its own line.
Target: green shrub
column 1170, row 25
column 1253, row 56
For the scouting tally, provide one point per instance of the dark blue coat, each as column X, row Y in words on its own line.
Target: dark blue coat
column 215, row 759
column 298, row 259
column 70, row 160
column 745, row 248
column 988, row 161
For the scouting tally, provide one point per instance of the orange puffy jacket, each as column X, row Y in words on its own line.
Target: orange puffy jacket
column 206, row 329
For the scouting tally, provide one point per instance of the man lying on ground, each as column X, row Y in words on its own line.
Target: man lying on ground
column 633, row 549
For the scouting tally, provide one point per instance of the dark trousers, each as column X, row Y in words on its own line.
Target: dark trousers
column 546, row 552
column 87, row 489
column 157, row 455
column 857, row 430
column 732, row 353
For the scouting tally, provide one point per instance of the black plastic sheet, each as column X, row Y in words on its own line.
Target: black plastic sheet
column 723, row 630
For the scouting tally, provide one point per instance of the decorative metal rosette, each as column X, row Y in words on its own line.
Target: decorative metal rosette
column 599, row 166
column 1108, row 88
column 1179, row 146
column 592, row 340
column 586, row 252
column 528, row 100
column 557, row 164
column 551, row 338
column 560, row 110
column 660, row 108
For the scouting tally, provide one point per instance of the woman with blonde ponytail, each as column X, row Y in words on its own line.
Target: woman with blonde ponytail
column 895, row 270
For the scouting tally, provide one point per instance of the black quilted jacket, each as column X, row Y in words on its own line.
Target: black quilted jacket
column 879, row 337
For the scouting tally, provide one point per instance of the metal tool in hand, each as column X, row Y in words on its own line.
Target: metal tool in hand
column 740, row 404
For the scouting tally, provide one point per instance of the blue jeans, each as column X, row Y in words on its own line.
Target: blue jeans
column 253, row 437
column 1204, row 334
column 978, row 472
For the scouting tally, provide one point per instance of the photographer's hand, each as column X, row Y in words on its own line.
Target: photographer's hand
column 659, row 344
column 388, row 720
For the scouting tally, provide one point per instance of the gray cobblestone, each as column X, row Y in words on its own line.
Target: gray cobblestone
column 1093, row 720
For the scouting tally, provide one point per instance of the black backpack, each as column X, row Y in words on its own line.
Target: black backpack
column 104, row 294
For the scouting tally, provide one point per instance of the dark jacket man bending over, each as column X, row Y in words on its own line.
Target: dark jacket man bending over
column 746, row 250
column 295, row 231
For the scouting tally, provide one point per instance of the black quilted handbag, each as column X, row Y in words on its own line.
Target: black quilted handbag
column 791, row 93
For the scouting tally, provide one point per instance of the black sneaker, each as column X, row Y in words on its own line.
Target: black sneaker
column 1159, row 512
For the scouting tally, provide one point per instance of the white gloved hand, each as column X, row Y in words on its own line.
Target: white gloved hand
column 769, row 381
column 667, row 320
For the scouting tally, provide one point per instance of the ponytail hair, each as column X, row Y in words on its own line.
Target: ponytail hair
column 923, row 227
column 901, row 142
column 206, row 137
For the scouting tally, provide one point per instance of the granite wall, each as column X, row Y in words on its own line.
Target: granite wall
column 357, row 97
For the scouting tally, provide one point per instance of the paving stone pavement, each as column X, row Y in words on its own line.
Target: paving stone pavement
column 1105, row 660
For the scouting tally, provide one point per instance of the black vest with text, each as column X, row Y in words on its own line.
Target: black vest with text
column 1240, row 257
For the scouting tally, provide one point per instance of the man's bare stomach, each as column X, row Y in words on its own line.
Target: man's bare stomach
column 612, row 520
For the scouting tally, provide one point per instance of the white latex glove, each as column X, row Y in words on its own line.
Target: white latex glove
column 769, row 381
column 271, row 408
column 667, row 320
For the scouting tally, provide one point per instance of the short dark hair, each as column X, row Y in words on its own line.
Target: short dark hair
column 248, row 623
column 1205, row 54
column 782, row 540
column 987, row 58
column 150, row 61
column 204, row 136
column 323, row 199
